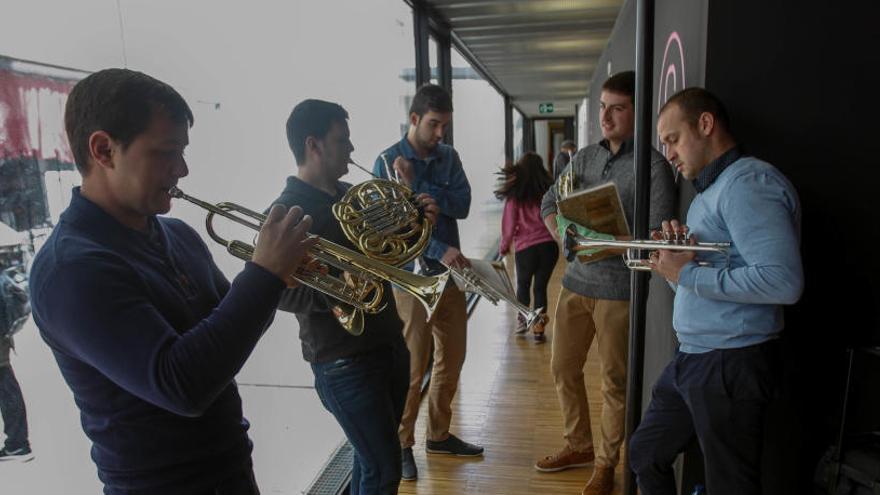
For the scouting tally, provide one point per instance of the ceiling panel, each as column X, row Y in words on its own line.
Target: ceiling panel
column 537, row 50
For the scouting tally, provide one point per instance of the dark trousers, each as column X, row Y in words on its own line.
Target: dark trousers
column 13, row 411
column 238, row 482
column 366, row 393
column 720, row 397
column 535, row 262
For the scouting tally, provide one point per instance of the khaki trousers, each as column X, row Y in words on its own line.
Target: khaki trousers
column 448, row 332
column 578, row 320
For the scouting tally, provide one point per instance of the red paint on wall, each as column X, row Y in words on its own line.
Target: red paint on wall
column 31, row 116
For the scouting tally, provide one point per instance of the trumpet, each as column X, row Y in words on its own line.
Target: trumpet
column 361, row 294
column 476, row 284
column 575, row 242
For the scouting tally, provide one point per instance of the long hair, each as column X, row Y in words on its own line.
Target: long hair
column 526, row 180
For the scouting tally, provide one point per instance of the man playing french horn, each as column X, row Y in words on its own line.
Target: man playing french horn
column 361, row 379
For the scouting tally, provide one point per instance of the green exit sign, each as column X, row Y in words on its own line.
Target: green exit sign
column 545, row 107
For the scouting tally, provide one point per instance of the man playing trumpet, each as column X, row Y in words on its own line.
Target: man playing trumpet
column 147, row 331
column 727, row 318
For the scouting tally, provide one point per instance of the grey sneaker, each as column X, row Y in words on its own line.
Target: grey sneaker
column 453, row 445
column 520, row 325
column 409, row 471
column 23, row 454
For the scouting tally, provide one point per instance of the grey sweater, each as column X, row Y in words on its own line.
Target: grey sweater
column 609, row 278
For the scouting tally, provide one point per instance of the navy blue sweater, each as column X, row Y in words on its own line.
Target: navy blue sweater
column 149, row 336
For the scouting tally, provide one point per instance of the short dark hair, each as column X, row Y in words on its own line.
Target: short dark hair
column 623, row 83
column 693, row 102
column 568, row 144
column 120, row 102
column 311, row 118
column 431, row 97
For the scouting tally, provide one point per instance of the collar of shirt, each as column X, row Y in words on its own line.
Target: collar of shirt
column 410, row 154
column 100, row 222
column 297, row 186
column 626, row 147
column 109, row 231
column 711, row 172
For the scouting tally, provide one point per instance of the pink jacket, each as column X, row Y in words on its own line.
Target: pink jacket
column 522, row 222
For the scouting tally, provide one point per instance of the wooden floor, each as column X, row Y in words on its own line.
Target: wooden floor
column 506, row 402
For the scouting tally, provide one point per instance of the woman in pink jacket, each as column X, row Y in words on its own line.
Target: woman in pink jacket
column 524, row 184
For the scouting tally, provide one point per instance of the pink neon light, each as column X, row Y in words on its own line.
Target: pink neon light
column 670, row 73
column 662, row 92
column 667, row 73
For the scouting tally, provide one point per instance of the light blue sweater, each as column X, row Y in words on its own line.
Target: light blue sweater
column 754, row 207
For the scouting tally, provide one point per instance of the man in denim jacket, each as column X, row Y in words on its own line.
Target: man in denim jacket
column 424, row 164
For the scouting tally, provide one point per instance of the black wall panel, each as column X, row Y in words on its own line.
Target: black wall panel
column 799, row 80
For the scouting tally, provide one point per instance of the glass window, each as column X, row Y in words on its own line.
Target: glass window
column 434, row 57
column 583, row 127
column 518, row 143
column 242, row 72
column 479, row 139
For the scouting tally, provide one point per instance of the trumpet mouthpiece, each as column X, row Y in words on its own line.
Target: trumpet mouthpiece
column 174, row 192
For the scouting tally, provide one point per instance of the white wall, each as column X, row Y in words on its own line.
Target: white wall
column 256, row 59
column 542, row 139
column 583, row 125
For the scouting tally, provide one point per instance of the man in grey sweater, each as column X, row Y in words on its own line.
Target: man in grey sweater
column 594, row 300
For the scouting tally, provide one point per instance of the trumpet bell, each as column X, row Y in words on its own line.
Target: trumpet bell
column 474, row 283
column 352, row 321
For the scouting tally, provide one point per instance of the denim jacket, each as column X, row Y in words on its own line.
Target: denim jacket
column 441, row 175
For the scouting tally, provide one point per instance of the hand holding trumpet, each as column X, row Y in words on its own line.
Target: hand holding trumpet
column 283, row 243
column 669, row 263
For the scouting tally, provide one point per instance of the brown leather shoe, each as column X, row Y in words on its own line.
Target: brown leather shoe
column 538, row 328
column 564, row 459
column 601, row 483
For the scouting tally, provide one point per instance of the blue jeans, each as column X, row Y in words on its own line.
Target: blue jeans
column 12, row 409
column 366, row 393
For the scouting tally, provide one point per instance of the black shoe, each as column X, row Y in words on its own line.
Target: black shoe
column 409, row 471
column 23, row 454
column 453, row 445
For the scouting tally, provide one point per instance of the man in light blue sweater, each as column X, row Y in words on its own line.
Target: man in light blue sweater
column 727, row 315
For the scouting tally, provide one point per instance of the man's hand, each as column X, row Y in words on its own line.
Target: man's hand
column 283, row 242
column 453, row 257
column 669, row 263
column 429, row 207
column 405, row 171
